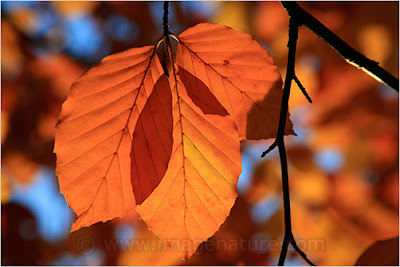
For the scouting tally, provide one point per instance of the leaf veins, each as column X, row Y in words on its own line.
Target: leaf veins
column 94, row 134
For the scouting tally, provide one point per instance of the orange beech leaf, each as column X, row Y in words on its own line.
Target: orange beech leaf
column 239, row 72
column 94, row 134
column 199, row 188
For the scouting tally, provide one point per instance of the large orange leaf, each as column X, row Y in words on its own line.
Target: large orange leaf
column 199, row 188
column 239, row 72
column 95, row 131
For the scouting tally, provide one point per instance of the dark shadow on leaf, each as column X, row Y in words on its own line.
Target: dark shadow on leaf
column 200, row 94
column 261, row 122
column 152, row 141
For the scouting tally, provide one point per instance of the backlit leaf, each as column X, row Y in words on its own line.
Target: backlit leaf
column 199, row 188
column 94, row 134
column 239, row 72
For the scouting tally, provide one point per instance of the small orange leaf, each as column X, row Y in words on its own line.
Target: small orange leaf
column 199, row 188
column 94, row 134
column 239, row 72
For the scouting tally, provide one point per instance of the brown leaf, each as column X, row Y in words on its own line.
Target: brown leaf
column 381, row 253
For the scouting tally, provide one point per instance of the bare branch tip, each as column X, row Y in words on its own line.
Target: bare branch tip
column 303, row 90
column 271, row 147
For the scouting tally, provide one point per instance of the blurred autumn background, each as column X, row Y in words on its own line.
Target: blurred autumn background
column 343, row 163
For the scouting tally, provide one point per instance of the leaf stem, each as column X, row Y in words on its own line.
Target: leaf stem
column 352, row 56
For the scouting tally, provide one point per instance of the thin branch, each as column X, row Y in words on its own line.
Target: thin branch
column 303, row 90
column 286, row 201
column 165, row 38
column 304, row 256
column 279, row 141
column 165, row 18
column 284, row 249
column 271, row 147
column 342, row 48
column 299, row 17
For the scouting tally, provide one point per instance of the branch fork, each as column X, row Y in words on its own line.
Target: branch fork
column 279, row 141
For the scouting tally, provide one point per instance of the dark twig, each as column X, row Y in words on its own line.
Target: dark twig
column 284, row 249
column 165, row 38
column 165, row 18
column 279, row 141
column 299, row 17
column 302, row 88
column 304, row 256
column 286, row 201
column 271, row 147
column 347, row 52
